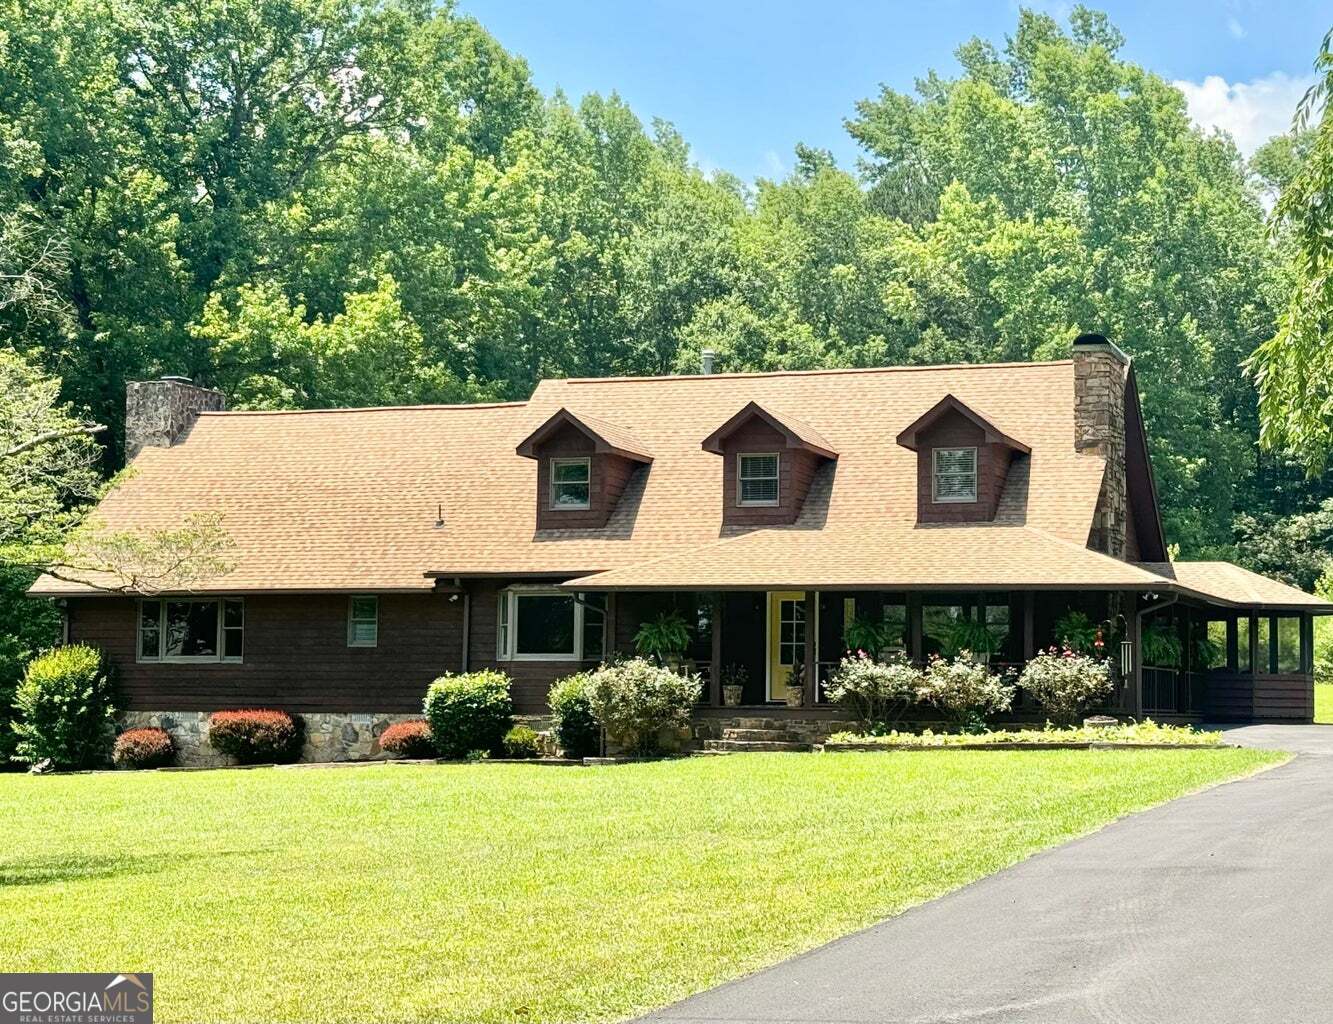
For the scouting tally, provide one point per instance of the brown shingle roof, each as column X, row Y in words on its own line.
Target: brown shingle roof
column 346, row 499
column 608, row 436
column 1230, row 584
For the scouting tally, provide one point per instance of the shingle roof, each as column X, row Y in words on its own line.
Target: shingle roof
column 347, row 499
column 612, row 438
column 799, row 433
column 1230, row 584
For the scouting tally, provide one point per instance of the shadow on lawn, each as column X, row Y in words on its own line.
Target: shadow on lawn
column 44, row 870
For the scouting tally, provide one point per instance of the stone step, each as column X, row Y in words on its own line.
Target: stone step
column 753, row 746
column 760, row 723
column 776, row 735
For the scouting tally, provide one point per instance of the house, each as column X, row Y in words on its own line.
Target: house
column 379, row 548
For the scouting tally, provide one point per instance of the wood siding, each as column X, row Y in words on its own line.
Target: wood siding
column 1241, row 697
column 296, row 656
column 607, row 476
column 953, row 430
column 796, row 468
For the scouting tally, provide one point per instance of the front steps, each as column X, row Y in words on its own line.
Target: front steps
column 751, row 735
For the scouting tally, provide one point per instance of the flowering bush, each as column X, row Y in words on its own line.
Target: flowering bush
column 1146, row 731
column 877, row 693
column 64, row 709
column 1064, row 683
column 635, row 700
column 144, row 748
column 573, row 725
column 965, row 691
column 469, row 712
column 255, row 736
column 408, row 739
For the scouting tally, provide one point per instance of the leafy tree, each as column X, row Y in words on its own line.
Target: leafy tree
column 1294, row 370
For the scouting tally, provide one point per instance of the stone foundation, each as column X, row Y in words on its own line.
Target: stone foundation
column 328, row 737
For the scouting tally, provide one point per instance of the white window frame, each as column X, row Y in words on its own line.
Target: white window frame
column 935, row 477
column 506, row 633
column 352, row 620
column 741, row 478
column 586, row 463
column 183, row 659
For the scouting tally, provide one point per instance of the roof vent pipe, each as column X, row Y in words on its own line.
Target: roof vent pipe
column 706, row 360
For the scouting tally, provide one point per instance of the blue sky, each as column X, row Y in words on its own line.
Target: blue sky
column 744, row 82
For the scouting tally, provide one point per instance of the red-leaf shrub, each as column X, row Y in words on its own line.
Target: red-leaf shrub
column 256, row 736
column 144, row 748
column 408, row 739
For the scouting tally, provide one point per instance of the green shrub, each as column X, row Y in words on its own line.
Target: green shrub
column 65, row 711
column 469, row 712
column 965, row 691
column 520, row 741
column 1065, row 683
column 256, row 736
column 635, row 700
column 573, row 724
column 144, row 748
column 876, row 693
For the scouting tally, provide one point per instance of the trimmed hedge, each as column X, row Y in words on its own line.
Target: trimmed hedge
column 144, row 748
column 256, row 735
column 408, row 739
column 573, row 725
column 520, row 741
column 470, row 712
column 65, row 709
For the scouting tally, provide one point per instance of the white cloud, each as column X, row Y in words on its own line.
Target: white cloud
column 1253, row 112
column 773, row 166
column 1234, row 26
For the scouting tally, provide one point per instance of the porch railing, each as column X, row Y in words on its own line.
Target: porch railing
column 1171, row 691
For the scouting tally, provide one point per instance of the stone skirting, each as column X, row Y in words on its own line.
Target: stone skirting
column 328, row 736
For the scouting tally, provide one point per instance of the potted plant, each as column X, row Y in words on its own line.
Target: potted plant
column 973, row 637
column 1161, row 645
column 733, row 685
column 1077, row 632
column 663, row 639
column 796, row 686
column 862, row 634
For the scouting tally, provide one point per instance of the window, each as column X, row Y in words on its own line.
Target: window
column 191, row 629
column 1289, row 660
column 955, row 475
column 550, row 625
column 569, row 483
column 757, row 479
column 363, row 621
column 791, row 632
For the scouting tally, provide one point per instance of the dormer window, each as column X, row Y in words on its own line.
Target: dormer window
column 757, row 474
column 955, row 475
column 569, row 483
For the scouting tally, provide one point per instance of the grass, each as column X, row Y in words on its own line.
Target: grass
column 1323, row 703
column 521, row 893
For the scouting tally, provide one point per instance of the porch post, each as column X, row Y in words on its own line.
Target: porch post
column 715, row 663
column 1134, row 699
column 811, row 647
column 1029, row 625
column 916, row 653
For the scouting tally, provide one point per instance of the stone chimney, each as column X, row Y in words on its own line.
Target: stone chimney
column 159, row 413
column 1100, row 373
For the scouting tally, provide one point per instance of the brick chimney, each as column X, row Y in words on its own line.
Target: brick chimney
column 1100, row 373
column 159, row 413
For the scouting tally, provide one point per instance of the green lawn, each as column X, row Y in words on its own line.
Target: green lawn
column 520, row 893
column 1323, row 703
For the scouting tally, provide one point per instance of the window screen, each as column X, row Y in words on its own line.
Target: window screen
column 758, row 475
column 955, row 474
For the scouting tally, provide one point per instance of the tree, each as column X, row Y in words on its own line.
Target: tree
column 1294, row 369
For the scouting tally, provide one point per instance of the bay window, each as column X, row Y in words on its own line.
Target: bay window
column 191, row 629
column 542, row 624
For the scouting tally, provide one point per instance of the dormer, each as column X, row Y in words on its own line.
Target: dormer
column 768, row 461
column 583, row 465
column 962, row 462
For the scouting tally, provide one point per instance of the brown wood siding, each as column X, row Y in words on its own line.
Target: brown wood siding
column 956, row 431
column 532, row 679
column 607, row 477
column 796, row 468
column 1241, row 697
column 296, row 656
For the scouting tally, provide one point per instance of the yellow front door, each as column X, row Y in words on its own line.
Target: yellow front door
column 786, row 638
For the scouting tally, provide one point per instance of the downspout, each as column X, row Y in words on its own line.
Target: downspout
column 1136, row 709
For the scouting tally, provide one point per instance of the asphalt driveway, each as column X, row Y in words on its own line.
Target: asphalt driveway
column 1216, row 907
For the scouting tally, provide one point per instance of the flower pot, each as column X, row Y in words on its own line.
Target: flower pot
column 795, row 696
column 731, row 696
